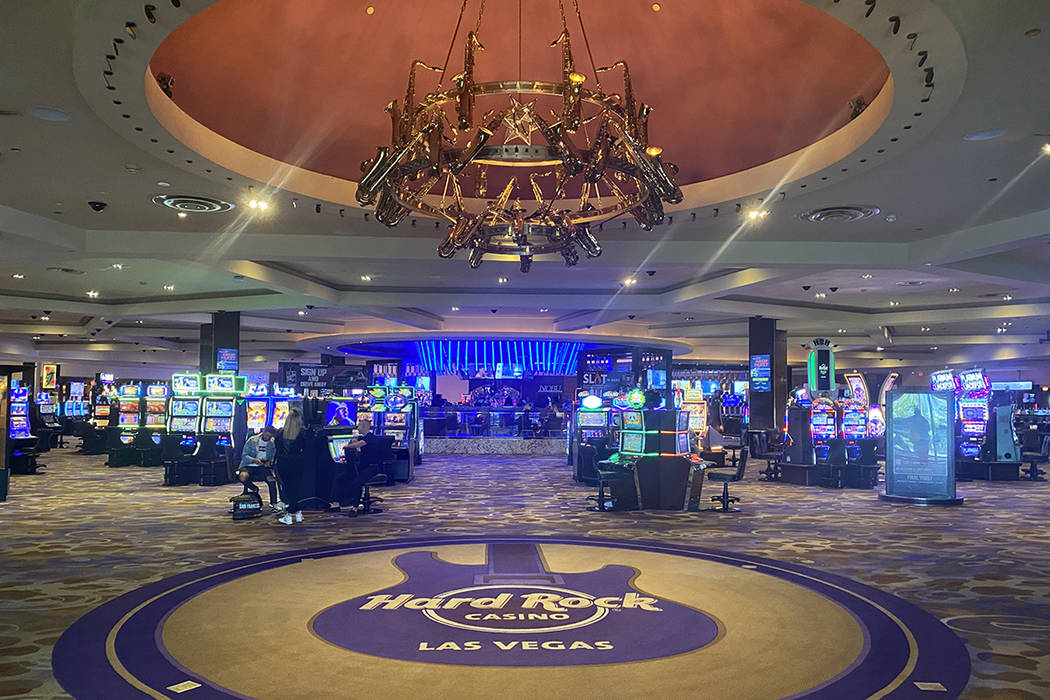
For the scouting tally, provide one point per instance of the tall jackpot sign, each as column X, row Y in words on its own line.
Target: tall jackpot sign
column 820, row 367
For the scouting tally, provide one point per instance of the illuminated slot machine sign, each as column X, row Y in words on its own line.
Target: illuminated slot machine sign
column 975, row 388
column 281, row 401
column 876, row 421
column 945, row 380
column 822, row 420
column 695, row 405
column 855, row 421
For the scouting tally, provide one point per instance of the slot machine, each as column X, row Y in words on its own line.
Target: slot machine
column 47, row 408
column 695, row 405
column 394, row 414
column 217, row 408
column 972, row 394
column 256, row 407
column 854, row 427
column 282, row 401
column 18, row 422
column 822, row 427
column 129, row 411
column 156, row 410
column 184, row 407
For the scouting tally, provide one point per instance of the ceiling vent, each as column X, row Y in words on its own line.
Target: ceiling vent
column 192, row 204
column 66, row 270
column 840, row 215
column 910, row 283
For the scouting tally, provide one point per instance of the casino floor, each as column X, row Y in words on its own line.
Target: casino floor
column 82, row 534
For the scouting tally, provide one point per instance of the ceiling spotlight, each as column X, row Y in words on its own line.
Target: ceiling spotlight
column 756, row 214
column 182, row 215
column 45, row 317
column 895, row 303
column 162, row 183
column 366, row 278
column 169, row 288
column 866, row 276
column 953, row 290
column 139, row 321
column 933, row 347
column 502, row 280
column 842, row 330
column 259, row 204
column 18, row 276
column 629, row 282
column 925, row 329
column 455, row 308
column 36, row 337
column 879, row 348
column 820, row 295
column 118, row 266
column 302, row 313
column 1046, row 148
column 92, row 293
column 1007, row 297
column 544, row 310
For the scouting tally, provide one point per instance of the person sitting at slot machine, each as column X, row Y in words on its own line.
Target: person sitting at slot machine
column 259, row 451
column 367, row 464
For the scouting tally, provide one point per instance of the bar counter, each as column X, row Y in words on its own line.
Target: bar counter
column 474, row 430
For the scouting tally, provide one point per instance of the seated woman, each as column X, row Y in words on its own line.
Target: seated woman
column 259, row 451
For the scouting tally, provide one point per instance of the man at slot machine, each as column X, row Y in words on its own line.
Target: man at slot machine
column 364, row 453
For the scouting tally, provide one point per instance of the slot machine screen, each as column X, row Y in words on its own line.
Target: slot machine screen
column 18, row 409
column 129, row 419
column 682, row 420
column 632, row 442
column 336, row 446
column 395, row 420
column 183, row 425
column 129, row 407
column 220, row 408
column 616, row 419
column 218, row 383
column 186, row 384
column 632, row 419
column 822, row 424
column 76, row 388
column 217, row 424
column 185, row 408
column 101, row 410
column 340, row 413
column 256, row 414
column 19, row 425
column 592, row 419
column 131, row 391
column 154, row 406
column 157, row 391
column 398, row 435
column 154, row 420
column 708, row 387
column 682, row 443
column 854, row 425
column 280, row 413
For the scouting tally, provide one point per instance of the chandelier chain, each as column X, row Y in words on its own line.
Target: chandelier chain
column 586, row 42
column 452, row 42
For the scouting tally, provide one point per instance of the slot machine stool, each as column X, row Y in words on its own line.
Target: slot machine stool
column 367, row 499
column 726, row 476
column 605, row 473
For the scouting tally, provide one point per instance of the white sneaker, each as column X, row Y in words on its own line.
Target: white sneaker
column 285, row 519
column 299, row 517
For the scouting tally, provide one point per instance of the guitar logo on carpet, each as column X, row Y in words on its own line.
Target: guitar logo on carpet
column 512, row 611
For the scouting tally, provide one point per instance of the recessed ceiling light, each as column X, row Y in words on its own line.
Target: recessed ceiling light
column 984, row 135
column 544, row 310
column 891, row 218
column 756, row 214
column 45, row 317
column 118, row 266
column 629, row 282
column 879, row 348
column 36, row 337
column 162, row 183
column 370, row 10
column 302, row 313
column 455, row 308
column 366, row 278
column 953, row 290
column 182, row 215
column 260, row 204
column 1046, row 148
column 139, row 321
column 866, row 276
column 169, row 288
column 895, row 303
column 656, row 7
column 1007, row 297
column 49, row 114
column 18, row 276
column 933, row 347
column 820, row 295
column 1034, row 31
column 92, row 293
column 842, row 330
column 502, row 280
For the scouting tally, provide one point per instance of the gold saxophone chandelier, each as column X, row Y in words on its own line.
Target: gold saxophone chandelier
column 593, row 164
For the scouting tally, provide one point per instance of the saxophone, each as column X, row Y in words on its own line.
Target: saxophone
column 571, row 85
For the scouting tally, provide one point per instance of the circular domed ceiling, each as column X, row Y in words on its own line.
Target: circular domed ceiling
column 732, row 84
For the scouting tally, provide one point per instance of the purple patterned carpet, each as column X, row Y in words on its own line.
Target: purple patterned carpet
column 83, row 534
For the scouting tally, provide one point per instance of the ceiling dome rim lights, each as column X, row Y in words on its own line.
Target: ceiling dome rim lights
column 891, row 110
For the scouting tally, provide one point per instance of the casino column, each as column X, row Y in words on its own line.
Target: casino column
column 221, row 342
column 767, row 354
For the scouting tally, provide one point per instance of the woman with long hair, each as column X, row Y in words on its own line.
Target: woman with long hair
column 291, row 448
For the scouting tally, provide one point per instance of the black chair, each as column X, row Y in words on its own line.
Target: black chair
column 764, row 445
column 1034, row 459
column 213, row 468
column 148, row 453
column 605, row 475
column 554, row 427
column 726, row 476
column 379, row 454
column 180, row 469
